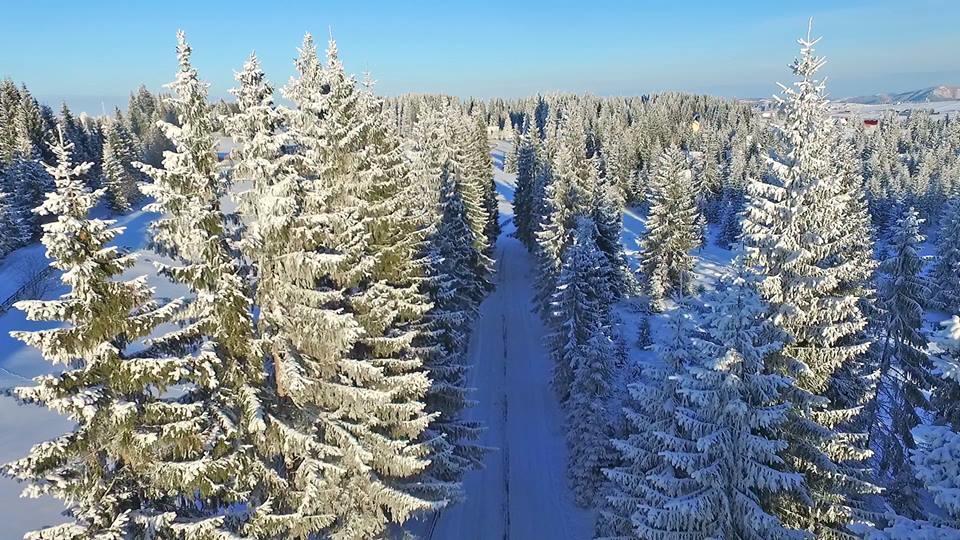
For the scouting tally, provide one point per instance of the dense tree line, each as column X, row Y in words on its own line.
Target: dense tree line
column 795, row 398
column 312, row 381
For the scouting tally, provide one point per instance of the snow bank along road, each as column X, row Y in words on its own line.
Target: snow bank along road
column 522, row 493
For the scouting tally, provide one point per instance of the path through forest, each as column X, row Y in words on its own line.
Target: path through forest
column 523, row 492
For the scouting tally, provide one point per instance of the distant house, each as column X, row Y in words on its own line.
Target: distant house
column 872, row 122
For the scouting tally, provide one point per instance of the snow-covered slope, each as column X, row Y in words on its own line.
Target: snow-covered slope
column 924, row 95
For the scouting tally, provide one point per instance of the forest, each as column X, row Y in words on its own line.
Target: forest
column 750, row 313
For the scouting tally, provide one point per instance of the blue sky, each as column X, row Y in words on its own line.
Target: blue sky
column 93, row 51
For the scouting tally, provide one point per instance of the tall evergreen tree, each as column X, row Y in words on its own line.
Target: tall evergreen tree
column 26, row 183
column 645, row 481
column 565, row 195
column 455, row 293
column 120, row 176
column 475, row 181
column 354, row 383
column 283, row 243
column 213, row 466
column 524, row 196
column 583, row 353
column 903, row 364
column 731, row 413
column 100, row 469
column 11, row 227
column 934, row 460
column 794, row 232
column 608, row 217
column 946, row 268
column 672, row 229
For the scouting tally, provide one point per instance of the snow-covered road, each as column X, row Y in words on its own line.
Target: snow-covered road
column 523, row 492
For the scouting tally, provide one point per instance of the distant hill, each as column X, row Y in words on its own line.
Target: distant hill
column 925, row 95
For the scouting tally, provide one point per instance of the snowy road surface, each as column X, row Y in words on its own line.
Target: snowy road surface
column 523, row 492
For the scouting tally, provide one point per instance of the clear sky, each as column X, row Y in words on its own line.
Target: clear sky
column 99, row 50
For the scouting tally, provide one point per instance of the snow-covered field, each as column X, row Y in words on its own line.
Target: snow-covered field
column 843, row 109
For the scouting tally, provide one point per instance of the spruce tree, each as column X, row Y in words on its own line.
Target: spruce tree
column 672, row 229
column 583, row 353
column 903, row 364
column 934, row 460
column 475, row 181
column 565, row 195
column 608, row 217
column 732, row 414
column 351, row 380
column 11, row 228
column 524, row 203
column 120, row 176
column 26, row 182
column 282, row 244
column 644, row 481
column 946, row 268
column 213, row 465
column 101, row 469
column 794, row 232
column 453, row 289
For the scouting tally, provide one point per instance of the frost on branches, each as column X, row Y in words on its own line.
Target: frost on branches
column 673, row 229
column 105, row 469
column 795, row 230
column 584, row 356
column 935, row 459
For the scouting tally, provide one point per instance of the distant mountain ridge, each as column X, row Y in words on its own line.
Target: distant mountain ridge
column 925, row 95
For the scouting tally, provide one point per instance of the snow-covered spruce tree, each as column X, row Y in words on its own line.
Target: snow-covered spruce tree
column 453, row 288
column 212, row 467
column 480, row 150
column 99, row 468
column 143, row 111
column 394, row 308
column 793, row 232
column 732, row 412
column 734, row 200
column 523, row 197
column 511, row 158
column 608, row 217
column 120, row 176
column 11, row 228
column 26, row 182
column 282, row 243
column 903, row 365
column 854, row 384
column 934, row 459
column 565, row 195
column 583, row 354
column 475, row 180
column 672, row 229
column 355, row 389
column 643, row 481
column 946, row 268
